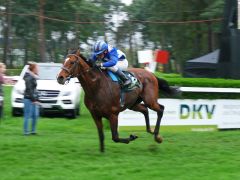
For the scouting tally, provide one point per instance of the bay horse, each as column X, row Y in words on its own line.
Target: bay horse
column 102, row 95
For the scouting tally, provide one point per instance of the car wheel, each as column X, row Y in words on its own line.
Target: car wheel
column 16, row 112
column 71, row 113
column 78, row 110
column 41, row 112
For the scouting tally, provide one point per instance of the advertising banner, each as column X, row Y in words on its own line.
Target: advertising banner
column 162, row 56
column 229, row 114
column 224, row 113
column 145, row 56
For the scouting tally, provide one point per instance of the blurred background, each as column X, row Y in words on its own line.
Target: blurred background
column 43, row 30
column 175, row 39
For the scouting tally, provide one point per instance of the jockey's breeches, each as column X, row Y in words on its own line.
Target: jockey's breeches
column 122, row 65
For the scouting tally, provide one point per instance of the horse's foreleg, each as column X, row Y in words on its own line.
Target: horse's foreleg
column 98, row 122
column 113, row 120
column 144, row 110
column 159, row 110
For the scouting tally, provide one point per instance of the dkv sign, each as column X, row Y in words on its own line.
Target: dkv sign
column 224, row 113
column 197, row 111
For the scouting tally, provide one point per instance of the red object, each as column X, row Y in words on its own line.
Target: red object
column 162, row 56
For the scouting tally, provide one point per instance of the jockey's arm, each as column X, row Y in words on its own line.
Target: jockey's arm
column 113, row 58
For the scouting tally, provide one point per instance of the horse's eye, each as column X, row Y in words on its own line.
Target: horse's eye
column 71, row 62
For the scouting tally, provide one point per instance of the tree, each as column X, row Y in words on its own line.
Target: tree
column 7, row 33
column 42, row 46
column 83, row 19
column 25, row 28
column 183, row 40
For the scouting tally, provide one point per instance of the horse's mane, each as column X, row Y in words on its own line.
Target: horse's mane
column 74, row 51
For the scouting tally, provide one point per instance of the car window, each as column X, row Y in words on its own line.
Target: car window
column 48, row 72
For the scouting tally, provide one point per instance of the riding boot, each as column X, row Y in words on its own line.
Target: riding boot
column 126, row 80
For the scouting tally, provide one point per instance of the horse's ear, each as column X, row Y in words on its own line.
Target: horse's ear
column 69, row 50
column 78, row 52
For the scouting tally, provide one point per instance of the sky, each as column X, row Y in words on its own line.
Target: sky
column 127, row 2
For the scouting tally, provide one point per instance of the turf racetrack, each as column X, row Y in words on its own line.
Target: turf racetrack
column 69, row 149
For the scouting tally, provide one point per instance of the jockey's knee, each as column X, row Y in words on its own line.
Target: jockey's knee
column 113, row 69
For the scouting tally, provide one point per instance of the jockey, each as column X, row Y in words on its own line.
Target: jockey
column 112, row 59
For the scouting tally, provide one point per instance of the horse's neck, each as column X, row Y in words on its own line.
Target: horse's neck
column 89, row 78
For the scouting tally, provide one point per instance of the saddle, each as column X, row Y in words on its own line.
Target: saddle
column 135, row 83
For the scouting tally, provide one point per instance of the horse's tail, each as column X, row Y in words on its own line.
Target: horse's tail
column 164, row 86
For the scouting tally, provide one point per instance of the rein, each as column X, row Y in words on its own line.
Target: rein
column 71, row 70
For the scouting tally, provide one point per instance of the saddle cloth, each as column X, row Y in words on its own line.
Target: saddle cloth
column 135, row 83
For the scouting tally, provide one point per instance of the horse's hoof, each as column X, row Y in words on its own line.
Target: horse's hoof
column 150, row 131
column 133, row 137
column 158, row 139
column 102, row 150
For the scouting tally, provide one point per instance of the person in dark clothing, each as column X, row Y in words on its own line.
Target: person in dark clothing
column 2, row 71
column 31, row 102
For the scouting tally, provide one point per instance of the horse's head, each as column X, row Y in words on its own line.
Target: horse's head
column 70, row 67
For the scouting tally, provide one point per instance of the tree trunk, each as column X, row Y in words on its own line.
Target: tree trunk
column 26, row 51
column 7, row 35
column 42, row 45
column 210, row 37
column 77, row 31
column 131, row 48
column 198, row 41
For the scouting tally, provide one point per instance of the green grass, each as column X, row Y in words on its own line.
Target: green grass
column 68, row 149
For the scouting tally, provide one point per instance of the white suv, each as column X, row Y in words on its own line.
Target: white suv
column 53, row 96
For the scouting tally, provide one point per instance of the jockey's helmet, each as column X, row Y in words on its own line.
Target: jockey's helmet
column 99, row 47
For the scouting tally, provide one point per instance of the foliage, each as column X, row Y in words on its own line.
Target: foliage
column 184, row 40
column 84, row 19
column 214, row 10
column 167, row 75
column 176, row 79
column 192, row 95
column 205, row 82
column 13, row 72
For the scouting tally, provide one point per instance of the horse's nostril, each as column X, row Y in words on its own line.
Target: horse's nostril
column 60, row 79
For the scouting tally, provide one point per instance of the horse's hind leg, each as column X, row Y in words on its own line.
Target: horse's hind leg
column 157, row 127
column 159, row 109
column 144, row 110
column 114, row 128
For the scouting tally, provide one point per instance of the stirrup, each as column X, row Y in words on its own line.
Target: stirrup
column 127, row 82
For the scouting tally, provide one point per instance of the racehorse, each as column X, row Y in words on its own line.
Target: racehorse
column 102, row 95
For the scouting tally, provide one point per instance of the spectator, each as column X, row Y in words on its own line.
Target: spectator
column 2, row 71
column 31, row 103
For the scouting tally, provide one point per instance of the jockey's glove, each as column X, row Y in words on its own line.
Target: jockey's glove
column 89, row 60
column 99, row 64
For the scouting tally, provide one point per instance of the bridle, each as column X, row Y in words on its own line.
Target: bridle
column 73, row 68
column 75, row 65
